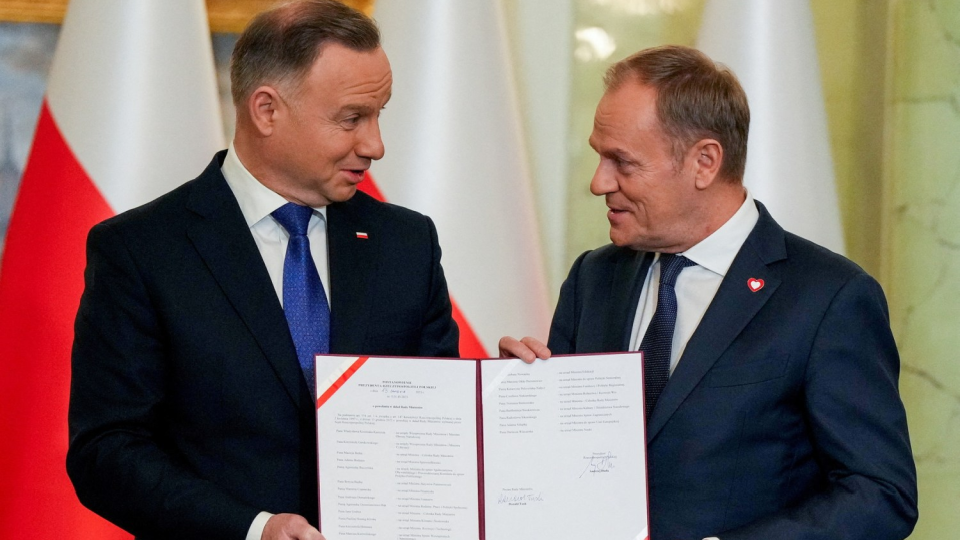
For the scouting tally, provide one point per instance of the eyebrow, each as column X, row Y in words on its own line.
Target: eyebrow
column 616, row 152
column 364, row 109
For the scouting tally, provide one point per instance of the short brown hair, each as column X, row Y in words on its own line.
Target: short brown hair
column 280, row 45
column 696, row 99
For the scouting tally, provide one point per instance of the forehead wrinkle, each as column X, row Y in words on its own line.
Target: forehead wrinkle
column 366, row 97
column 363, row 102
column 606, row 143
column 600, row 119
column 367, row 86
column 607, row 125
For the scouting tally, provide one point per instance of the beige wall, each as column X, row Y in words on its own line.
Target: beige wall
column 851, row 43
column 920, row 245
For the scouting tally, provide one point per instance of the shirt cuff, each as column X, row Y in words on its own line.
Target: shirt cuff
column 255, row 532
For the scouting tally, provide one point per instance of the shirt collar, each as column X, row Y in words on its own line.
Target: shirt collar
column 717, row 251
column 256, row 200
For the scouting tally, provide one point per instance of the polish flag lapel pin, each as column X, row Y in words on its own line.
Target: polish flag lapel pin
column 754, row 284
column 362, row 235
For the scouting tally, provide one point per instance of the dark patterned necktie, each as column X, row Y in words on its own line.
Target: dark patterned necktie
column 304, row 300
column 658, row 340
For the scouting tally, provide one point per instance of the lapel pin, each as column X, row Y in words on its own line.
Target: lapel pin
column 755, row 284
column 362, row 235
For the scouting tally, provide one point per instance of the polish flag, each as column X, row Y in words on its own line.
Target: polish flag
column 771, row 48
column 131, row 111
column 455, row 152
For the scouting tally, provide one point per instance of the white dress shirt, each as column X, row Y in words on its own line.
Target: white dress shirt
column 257, row 202
column 698, row 284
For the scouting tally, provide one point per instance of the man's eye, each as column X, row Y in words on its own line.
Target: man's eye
column 352, row 120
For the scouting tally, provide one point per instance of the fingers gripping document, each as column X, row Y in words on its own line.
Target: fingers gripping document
column 412, row 448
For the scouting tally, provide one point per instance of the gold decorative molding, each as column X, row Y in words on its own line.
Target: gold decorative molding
column 38, row 11
column 225, row 15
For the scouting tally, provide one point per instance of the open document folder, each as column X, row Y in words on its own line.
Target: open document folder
column 488, row 449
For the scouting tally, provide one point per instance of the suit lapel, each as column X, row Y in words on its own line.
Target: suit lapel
column 733, row 307
column 628, row 275
column 352, row 270
column 227, row 248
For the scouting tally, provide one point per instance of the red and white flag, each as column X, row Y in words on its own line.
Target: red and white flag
column 131, row 111
column 455, row 152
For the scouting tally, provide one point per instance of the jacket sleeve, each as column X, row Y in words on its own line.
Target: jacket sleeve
column 563, row 329
column 439, row 336
column 858, row 426
column 118, row 460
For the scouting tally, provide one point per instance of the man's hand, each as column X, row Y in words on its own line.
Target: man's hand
column 527, row 349
column 289, row 527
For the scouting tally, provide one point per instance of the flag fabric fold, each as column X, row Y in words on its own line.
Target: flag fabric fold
column 455, row 151
column 131, row 111
column 771, row 47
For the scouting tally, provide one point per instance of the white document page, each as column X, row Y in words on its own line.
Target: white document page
column 564, row 448
column 397, row 448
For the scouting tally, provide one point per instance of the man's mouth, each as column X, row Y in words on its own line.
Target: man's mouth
column 356, row 174
column 614, row 208
column 616, row 215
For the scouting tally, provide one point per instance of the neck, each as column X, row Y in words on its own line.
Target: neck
column 716, row 209
column 251, row 150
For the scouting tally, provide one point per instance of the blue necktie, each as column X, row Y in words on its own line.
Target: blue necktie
column 658, row 340
column 304, row 301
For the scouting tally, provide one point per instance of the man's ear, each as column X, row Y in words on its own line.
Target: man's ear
column 262, row 107
column 707, row 157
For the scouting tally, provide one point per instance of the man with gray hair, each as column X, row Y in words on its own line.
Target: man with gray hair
column 770, row 372
column 192, row 399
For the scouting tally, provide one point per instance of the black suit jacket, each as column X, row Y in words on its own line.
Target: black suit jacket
column 189, row 413
column 783, row 418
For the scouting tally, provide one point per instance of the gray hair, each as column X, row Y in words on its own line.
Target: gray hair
column 696, row 99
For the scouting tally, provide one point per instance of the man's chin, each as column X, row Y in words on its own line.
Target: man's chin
column 343, row 194
column 630, row 242
column 622, row 240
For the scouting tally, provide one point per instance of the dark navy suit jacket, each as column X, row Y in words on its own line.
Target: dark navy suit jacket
column 783, row 418
column 189, row 413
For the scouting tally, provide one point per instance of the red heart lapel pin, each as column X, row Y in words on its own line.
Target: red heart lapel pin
column 754, row 284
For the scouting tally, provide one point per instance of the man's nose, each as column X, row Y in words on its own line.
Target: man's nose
column 603, row 181
column 370, row 144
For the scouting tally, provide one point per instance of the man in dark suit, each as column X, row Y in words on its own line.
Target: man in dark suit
column 191, row 414
column 771, row 372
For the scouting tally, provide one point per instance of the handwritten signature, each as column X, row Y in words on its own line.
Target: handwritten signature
column 598, row 462
column 519, row 499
